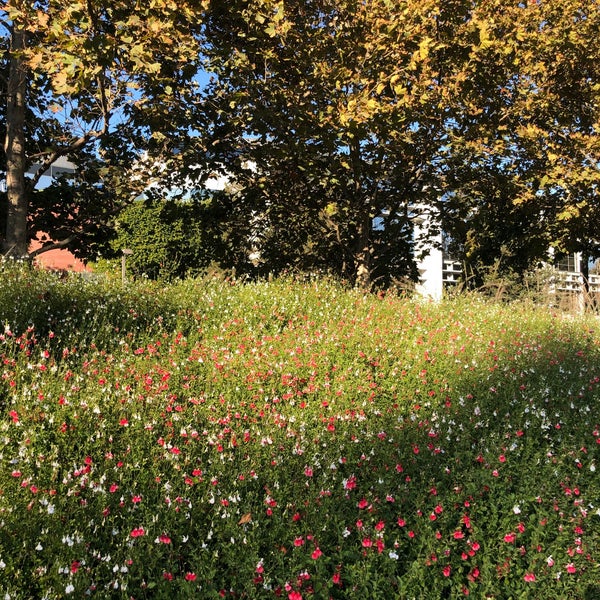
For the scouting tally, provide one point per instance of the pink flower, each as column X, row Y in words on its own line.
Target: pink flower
column 316, row 553
column 571, row 568
column 446, row 571
column 367, row 542
column 458, row 535
column 363, row 503
column 529, row 577
column 137, row 532
column 164, row 539
column 190, row 576
column 337, row 578
column 294, row 595
column 509, row 538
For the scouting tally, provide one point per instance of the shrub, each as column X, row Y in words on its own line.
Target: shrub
column 293, row 440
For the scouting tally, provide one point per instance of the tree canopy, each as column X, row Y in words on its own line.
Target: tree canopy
column 335, row 121
column 100, row 83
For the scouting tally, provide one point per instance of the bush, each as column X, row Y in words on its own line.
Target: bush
column 169, row 239
column 293, row 440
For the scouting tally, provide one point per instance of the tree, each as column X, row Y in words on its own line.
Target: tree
column 523, row 152
column 98, row 83
column 342, row 106
column 355, row 111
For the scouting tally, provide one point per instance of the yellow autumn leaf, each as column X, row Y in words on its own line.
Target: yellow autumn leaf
column 424, row 48
column 42, row 18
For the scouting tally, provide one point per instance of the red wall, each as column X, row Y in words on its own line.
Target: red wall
column 59, row 259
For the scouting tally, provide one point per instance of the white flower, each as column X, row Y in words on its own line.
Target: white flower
column 69, row 589
column 517, row 509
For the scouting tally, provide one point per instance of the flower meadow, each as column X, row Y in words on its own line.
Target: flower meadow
column 285, row 439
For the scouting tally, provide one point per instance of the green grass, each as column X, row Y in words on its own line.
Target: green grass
column 293, row 440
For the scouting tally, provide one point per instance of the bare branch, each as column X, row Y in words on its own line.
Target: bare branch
column 53, row 245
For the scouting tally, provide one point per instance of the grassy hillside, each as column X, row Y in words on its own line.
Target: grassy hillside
column 292, row 440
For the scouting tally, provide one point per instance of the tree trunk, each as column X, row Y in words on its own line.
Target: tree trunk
column 363, row 249
column 15, row 241
column 363, row 253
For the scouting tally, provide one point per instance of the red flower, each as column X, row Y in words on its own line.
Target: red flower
column 316, row 553
column 137, row 532
column 190, row 576
column 350, row 483
column 446, row 571
column 529, row 577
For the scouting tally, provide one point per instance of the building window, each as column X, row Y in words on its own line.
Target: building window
column 568, row 263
